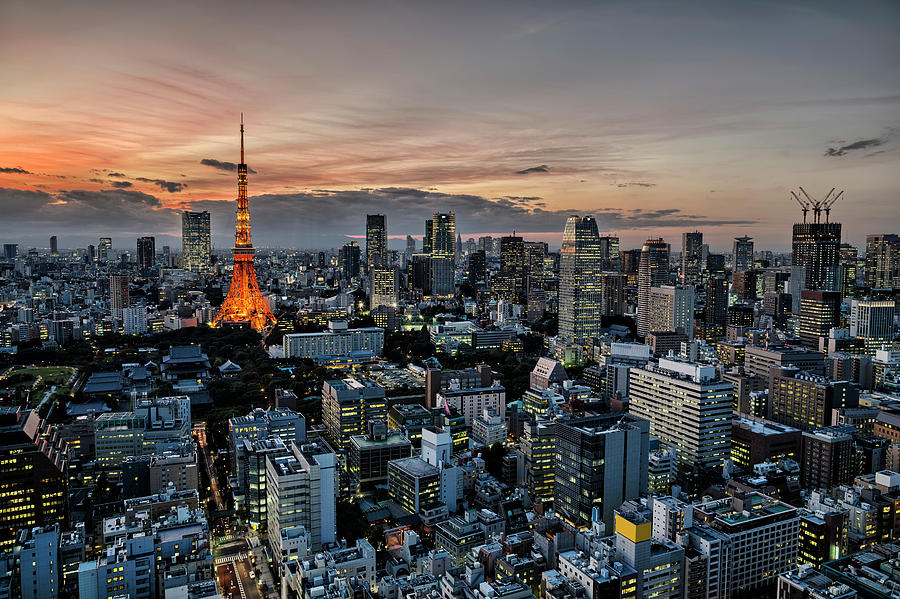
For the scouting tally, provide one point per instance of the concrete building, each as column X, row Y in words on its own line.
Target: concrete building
column 806, row 401
column 873, row 322
column 349, row 405
column 672, row 309
column 755, row 440
column 369, row 454
column 301, row 490
column 653, row 271
column 688, row 408
column 828, row 457
column 338, row 340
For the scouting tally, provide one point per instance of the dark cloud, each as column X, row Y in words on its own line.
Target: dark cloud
column 170, row 186
column 856, row 145
column 119, row 175
column 121, row 184
column 83, row 214
column 14, row 169
column 225, row 166
column 97, row 180
column 543, row 168
column 320, row 218
column 636, row 184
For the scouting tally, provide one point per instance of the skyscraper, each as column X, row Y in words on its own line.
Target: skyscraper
column 476, row 267
column 580, row 288
column 601, row 461
column 609, row 252
column 427, row 239
column 691, row 257
column 849, row 259
column 376, row 241
column 512, row 268
column 245, row 302
column 535, row 254
column 54, row 246
column 385, row 289
column 410, row 246
column 652, row 272
column 146, row 252
column 743, row 253
column 817, row 248
column 119, row 298
column 103, row 248
column 820, row 311
column 349, row 256
column 195, row 241
column 672, row 309
column 612, row 293
column 10, row 251
column 715, row 315
column 443, row 235
column 882, row 261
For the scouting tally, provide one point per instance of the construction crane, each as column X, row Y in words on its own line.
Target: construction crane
column 808, row 203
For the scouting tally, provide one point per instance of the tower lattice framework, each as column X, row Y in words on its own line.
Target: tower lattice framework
column 245, row 303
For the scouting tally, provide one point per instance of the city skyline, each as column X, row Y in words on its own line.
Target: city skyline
column 647, row 120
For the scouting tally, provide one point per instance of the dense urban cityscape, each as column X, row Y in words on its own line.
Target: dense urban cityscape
column 469, row 300
column 463, row 419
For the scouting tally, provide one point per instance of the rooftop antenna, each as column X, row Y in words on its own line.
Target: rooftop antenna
column 242, row 138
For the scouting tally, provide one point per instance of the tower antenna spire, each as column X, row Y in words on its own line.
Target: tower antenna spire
column 242, row 138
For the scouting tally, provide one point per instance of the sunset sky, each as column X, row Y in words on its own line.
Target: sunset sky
column 655, row 117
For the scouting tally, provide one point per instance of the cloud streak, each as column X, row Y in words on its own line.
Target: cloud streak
column 225, row 166
column 862, row 144
column 14, row 169
column 170, row 186
column 543, row 168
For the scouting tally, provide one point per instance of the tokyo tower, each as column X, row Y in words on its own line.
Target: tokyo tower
column 245, row 303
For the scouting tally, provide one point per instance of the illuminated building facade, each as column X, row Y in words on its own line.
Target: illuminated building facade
column 743, row 253
column 348, row 406
column 689, row 409
column 245, row 302
column 672, row 309
column 691, row 257
column 653, row 271
column 119, row 298
column 817, row 248
column 32, row 476
column 882, row 261
column 580, row 287
column 512, row 268
column 385, row 289
column 146, row 252
column 195, row 241
column 873, row 322
column 376, row 241
column 820, row 311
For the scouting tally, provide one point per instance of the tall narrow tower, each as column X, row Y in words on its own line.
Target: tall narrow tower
column 245, row 303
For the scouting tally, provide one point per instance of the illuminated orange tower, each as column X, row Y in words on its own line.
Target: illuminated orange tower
column 245, row 303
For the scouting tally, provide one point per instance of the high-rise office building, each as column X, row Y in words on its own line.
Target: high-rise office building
column 609, row 252
column 443, row 235
column 512, row 268
column 872, row 321
column 672, row 309
column 385, row 289
column 612, row 293
column 119, row 297
column 716, row 311
column 691, row 257
column 348, row 406
column 427, row 240
column 410, row 246
column 580, row 288
column 54, row 246
column 689, row 409
column 828, row 457
column 300, row 491
column 882, row 261
column 535, row 254
column 33, row 474
column 146, row 252
column 820, row 311
column 10, row 251
column 104, row 247
column 817, row 248
column 476, row 269
column 376, row 241
column 442, row 281
column 601, row 462
column 195, row 241
column 653, row 271
column 349, row 256
column 743, row 253
column 849, row 271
